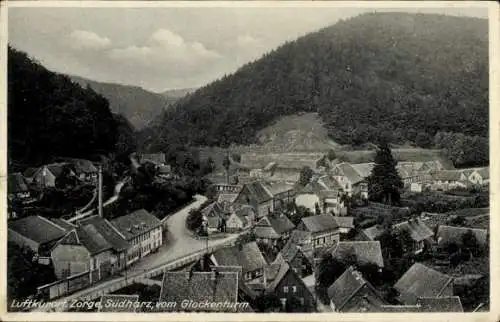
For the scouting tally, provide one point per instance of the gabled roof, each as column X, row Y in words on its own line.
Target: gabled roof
column 417, row 229
column 288, row 253
column 87, row 236
column 258, row 191
column 37, row 228
column 135, row 223
column 452, row 234
column 157, row 158
column 116, row 299
column 213, row 287
column 17, row 183
column 346, row 286
column 30, row 172
column 363, row 169
column 108, row 231
column 56, row 168
column 448, row 175
column 273, row 226
column 83, row 166
column 227, row 197
column 440, row 304
column 279, row 187
column 240, row 215
column 365, row 252
column 421, row 281
column 345, row 222
column 320, row 223
column 330, row 183
column 266, row 232
column 315, row 186
column 274, row 273
column 62, row 223
column 241, row 284
column 350, row 173
column 214, row 207
column 248, row 256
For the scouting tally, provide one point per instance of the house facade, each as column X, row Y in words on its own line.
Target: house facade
column 213, row 216
column 323, row 230
column 258, row 196
column 142, row 231
column 273, row 229
column 18, row 187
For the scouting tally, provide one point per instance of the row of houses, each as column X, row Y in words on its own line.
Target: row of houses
column 94, row 244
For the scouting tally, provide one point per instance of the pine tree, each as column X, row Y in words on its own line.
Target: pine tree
column 384, row 182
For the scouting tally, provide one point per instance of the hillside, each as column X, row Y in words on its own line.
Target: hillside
column 378, row 74
column 49, row 116
column 138, row 105
column 177, row 93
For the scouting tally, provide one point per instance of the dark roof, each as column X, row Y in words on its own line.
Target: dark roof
column 199, row 287
column 272, row 227
column 227, row 197
column 346, row 286
column 281, row 224
column 440, row 304
column 17, row 183
column 135, row 223
column 108, row 231
column 417, row 229
column 274, row 273
column 279, row 187
column 37, row 228
column 249, row 257
column 289, row 252
column 266, row 232
column 421, row 281
column 30, row 172
column 320, row 223
column 447, row 175
column 213, row 207
column 115, row 300
column 87, row 236
column 344, row 222
column 241, row 285
column 451, row 234
column 83, row 166
column 258, row 191
column 366, row 252
column 350, row 173
column 158, row 158
column 62, row 223
column 373, row 232
column 56, row 168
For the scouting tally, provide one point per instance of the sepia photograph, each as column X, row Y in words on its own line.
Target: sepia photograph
column 247, row 158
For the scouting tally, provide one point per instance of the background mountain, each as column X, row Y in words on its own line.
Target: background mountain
column 177, row 93
column 138, row 105
column 408, row 77
column 49, row 116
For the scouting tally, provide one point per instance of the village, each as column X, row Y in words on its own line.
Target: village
column 282, row 232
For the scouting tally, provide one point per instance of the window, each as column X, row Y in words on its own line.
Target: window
column 283, row 302
column 301, row 300
column 294, row 289
column 285, row 289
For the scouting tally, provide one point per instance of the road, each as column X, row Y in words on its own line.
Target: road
column 180, row 245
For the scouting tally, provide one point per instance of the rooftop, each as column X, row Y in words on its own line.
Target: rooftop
column 248, row 256
column 17, row 183
column 37, row 228
column 320, row 223
column 365, row 252
column 135, row 223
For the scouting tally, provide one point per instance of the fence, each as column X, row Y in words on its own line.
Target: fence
column 78, row 282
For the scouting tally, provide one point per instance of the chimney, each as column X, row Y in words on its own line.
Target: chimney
column 100, row 191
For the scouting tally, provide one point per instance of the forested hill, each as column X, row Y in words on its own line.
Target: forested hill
column 50, row 117
column 407, row 76
column 138, row 105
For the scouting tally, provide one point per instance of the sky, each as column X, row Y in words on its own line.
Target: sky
column 169, row 47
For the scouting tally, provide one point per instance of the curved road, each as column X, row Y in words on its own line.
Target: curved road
column 180, row 244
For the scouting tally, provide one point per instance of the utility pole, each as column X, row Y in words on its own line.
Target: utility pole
column 100, row 191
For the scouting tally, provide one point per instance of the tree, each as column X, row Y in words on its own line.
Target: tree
column 331, row 155
column 317, row 209
column 470, row 243
column 194, row 220
column 327, row 271
column 306, row 174
column 384, row 182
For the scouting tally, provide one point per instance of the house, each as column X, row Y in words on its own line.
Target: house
column 448, row 179
column 362, row 252
column 86, row 249
column 323, row 229
column 116, row 303
column 440, row 304
column 85, row 170
column 155, row 158
column 199, row 291
column 142, row 231
column 352, row 293
column 238, row 220
column 293, row 255
column 422, row 281
column 35, row 232
column 309, row 196
column 282, row 281
column 478, row 176
column 46, row 175
column 258, row 196
column 248, row 256
column 18, row 187
column 213, row 215
column 273, row 229
column 420, row 234
column 352, row 177
column 245, row 293
column 447, row 235
column 283, row 193
column 346, row 224
column 302, row 240
column 332, row 202
column 226, row 200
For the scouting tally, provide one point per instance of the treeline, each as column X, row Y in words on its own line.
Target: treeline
column 380, row 73
column 49, row 116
